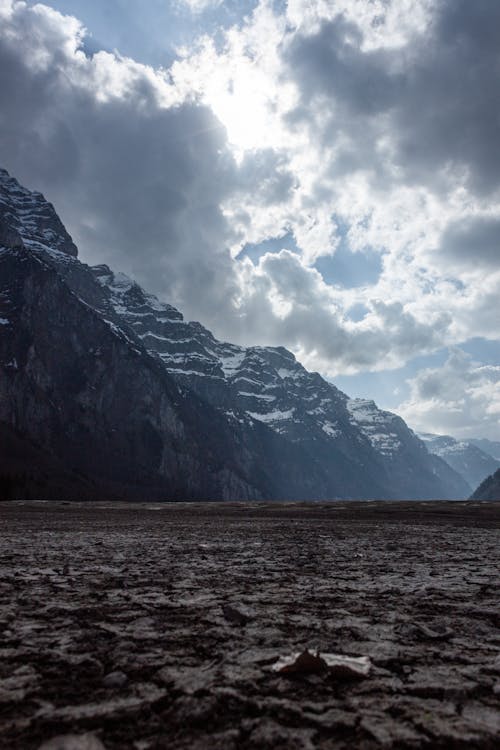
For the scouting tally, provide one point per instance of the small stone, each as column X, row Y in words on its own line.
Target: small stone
column 234, row 615
column 115, row 679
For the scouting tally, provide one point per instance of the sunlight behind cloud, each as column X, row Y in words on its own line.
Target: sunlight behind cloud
column 240, row 79
column 242, row 107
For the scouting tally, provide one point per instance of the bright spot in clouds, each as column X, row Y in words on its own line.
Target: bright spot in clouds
column 242, row 107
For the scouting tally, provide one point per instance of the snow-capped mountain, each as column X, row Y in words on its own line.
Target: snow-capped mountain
column 466, row 459
column 100, row 373
column 268, row 385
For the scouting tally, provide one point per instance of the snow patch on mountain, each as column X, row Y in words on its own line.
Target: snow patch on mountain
column 375, row 424
column 443, row 445
column 272, row 416
column 31, row 218
column 230, row 363
column 330, row 429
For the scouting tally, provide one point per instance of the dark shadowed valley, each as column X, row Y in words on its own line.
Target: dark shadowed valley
column 160, row 626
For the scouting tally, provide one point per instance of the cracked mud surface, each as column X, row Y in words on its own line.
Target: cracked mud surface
column 157, row 626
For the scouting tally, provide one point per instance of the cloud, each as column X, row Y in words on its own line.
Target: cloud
column 198, row 6
column 283, row 300
column 383, row 23
column 461, row 398
column 473, row 241
column 428, row 107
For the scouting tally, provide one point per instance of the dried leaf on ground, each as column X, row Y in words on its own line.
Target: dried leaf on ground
column 337, row 664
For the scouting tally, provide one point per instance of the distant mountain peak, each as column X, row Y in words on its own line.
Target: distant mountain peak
column 26, row 217
column 466, row 458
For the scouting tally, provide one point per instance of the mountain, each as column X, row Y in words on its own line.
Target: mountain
column 489, row 489
column 491, row 447
column 467, row 459
column 128, row 399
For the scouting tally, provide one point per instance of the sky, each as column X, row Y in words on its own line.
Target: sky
column 318, row 174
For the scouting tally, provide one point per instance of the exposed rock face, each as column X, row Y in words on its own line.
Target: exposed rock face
column 489, row 489
column 114, row 385
column 467, row 459
column 26, row 217
column 79, row 388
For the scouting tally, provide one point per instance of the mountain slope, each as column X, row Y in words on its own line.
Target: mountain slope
column 465, row 458
column 489, row 489
column 28, row 472
column 268, row 385
column 115, row 384
column 77, row 387
column 491, row 447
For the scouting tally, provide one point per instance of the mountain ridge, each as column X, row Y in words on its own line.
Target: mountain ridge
column 169, row 405
column 489, row 489
column 466, row 458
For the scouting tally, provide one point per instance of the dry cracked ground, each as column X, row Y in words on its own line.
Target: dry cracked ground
column 157, row 626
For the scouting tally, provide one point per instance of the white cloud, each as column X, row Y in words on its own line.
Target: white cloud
column 281, row 299
column 198, row 6
column 384, row 23
column 461, row 398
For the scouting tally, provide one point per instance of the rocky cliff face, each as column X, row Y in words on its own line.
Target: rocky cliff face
column 78, row 387
column 116, row 386
column 27, row 218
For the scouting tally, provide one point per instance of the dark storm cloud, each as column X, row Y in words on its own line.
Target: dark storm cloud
column 24, row 143
column 331, row 63
column 269, row 169
column 139, row 185
column 436, row 98
column 473, row 241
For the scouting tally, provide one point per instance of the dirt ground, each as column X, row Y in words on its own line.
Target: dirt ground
column 157, row 626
